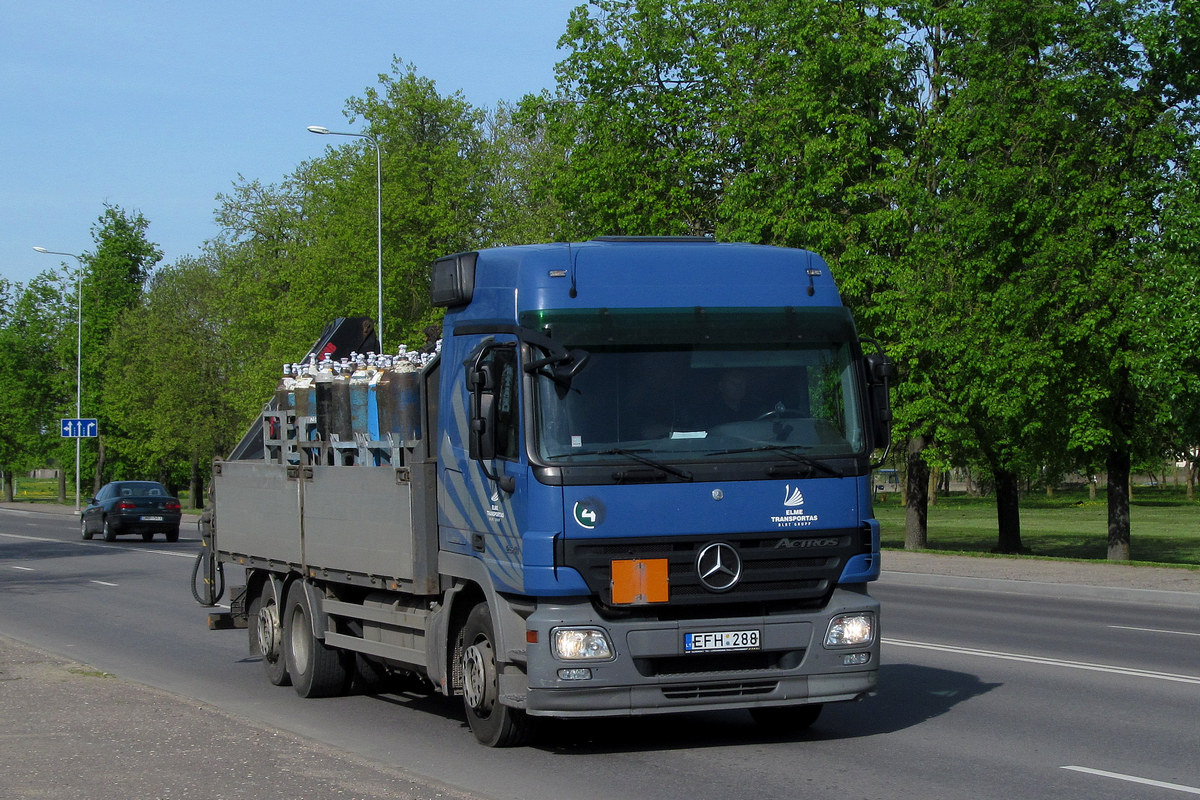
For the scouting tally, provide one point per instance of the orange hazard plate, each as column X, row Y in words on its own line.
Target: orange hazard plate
column 639, row 581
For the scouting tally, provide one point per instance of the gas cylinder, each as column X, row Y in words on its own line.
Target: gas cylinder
column 408, row 398
column 360, row 381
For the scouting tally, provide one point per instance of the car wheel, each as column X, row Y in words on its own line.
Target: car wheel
column 147, row 537
column 173, row 535
column 84, row 533
column 109, row 534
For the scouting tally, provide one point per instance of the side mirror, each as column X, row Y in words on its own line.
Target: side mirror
column 881, row 368
column 481, row 445
column 881, row 371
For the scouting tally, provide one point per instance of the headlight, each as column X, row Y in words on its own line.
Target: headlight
column 851, row 630
column 579, row 644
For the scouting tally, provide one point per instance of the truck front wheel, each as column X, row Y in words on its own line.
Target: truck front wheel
column 493, row 723
column 316, row 670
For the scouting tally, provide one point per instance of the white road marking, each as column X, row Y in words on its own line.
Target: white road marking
column 1153, row 630
column 106, row 583
column 1052, row 662
column 1178, row 787
column 112, row 545
column 26, row 569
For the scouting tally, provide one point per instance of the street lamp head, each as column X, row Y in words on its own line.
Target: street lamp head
column 318, row 129
column 41, row 249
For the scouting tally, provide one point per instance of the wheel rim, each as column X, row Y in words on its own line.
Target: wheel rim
column 268, row 631
column 475, row 676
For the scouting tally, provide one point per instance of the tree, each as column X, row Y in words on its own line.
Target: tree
column 640, row 119
column 169, row 378
column 115, row 272
column 31, row 325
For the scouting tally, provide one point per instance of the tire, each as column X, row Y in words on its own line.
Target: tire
column 147, row 537
column 316, row 670
column 109, row 534
column 173, row 535
column 266, row 636
column 493, row 723
column 84, row 533
column 786, row 719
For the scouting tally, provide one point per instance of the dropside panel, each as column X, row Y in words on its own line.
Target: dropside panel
column 257, row 511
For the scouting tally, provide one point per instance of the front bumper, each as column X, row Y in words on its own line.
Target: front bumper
column 650, row 672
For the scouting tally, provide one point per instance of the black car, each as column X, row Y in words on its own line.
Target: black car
column 121, row 507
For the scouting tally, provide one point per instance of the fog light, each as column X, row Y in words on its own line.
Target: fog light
column 851, row 630
column 581, row 644
column 575, row 674
column 855, row 659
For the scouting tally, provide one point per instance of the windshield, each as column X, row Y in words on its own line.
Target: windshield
column 700, row 384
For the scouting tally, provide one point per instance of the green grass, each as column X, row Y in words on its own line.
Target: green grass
column 1165, row 525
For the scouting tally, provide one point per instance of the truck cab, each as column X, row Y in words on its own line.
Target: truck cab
column 665, row 446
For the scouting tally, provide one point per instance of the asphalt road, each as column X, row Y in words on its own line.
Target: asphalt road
column 1033, row 685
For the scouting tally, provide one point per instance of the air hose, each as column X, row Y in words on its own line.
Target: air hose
column 208, row 592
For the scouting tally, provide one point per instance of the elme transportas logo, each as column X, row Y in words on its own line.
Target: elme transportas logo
column 793, row 515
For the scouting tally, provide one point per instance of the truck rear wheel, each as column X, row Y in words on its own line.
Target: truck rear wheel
column 493, row 723
column 316, row 670
column 266, row 636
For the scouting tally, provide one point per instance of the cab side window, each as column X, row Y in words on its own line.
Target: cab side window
column 508, row 414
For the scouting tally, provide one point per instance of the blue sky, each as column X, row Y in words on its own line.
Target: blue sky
column 159, row 106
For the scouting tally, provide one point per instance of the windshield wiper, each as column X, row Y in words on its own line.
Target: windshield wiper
column 638, row 457
column 787, row 451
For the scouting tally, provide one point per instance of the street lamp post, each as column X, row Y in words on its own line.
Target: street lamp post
column 78, row 352
column 378, row 218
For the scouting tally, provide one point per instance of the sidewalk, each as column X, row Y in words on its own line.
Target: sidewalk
column 1100, row 580
column 72, row 731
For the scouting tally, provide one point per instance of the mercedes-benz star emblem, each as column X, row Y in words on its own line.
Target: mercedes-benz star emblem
column 719, row 567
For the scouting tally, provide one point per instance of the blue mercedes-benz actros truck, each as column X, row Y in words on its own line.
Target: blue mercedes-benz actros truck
column 635, row 480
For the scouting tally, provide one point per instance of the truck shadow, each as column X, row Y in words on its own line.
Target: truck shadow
column 909, row 695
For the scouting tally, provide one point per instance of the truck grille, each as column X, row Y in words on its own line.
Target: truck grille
column 775, row 567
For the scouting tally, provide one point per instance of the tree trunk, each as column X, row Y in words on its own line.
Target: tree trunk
column 194, row 485
column 935, row 482
column 1008, row 511
column 916, row 505
column 62, row 487
column 8, row 486
column 1118, row 504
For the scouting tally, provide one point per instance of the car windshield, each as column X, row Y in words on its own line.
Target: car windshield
column 704, row 384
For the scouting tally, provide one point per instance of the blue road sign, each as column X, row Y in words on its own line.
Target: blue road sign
column 80, row 429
